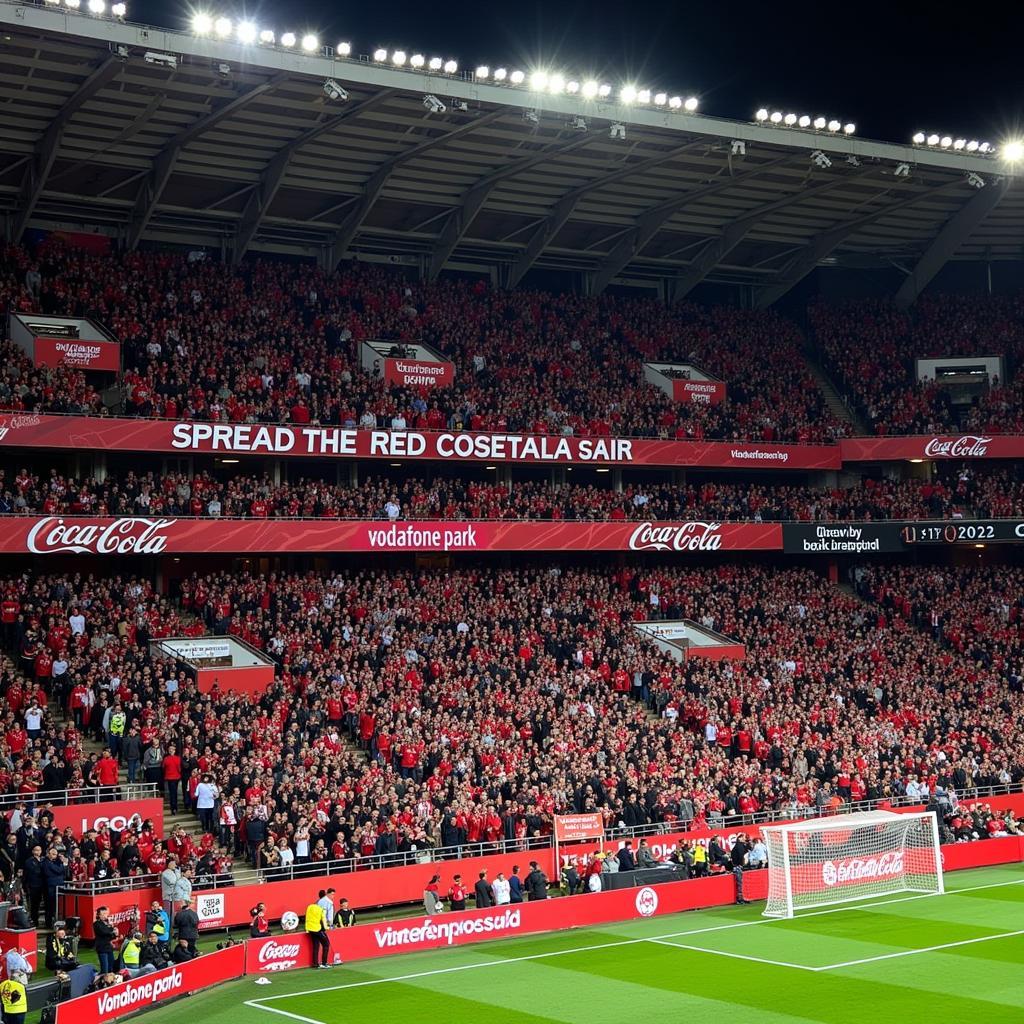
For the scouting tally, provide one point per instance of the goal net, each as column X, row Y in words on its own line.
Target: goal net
column 849, row 857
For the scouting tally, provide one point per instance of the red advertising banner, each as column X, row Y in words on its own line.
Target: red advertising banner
column 927, row 447
column 572, row 828
column 82, row 355
column 132, row 996
column 419, row 373
column 127, row 908
column 69, row 535
column 698, row 392
column 116, row 814
column 43, row 431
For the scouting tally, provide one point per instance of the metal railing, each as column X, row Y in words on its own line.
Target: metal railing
column 131, row 883
column 80, row 795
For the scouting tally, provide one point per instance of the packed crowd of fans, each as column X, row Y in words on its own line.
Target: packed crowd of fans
column 445, row 708
column 962, row 494
column 870, row 349
column 524, row 361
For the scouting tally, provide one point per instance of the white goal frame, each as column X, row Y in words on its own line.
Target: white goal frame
column 916, row 832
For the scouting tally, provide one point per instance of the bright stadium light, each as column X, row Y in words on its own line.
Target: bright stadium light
column 517, row 77
column 834, row 125
column 660, row 99
column 985, row 148
column 849, row 128
column 820, row 123
column 933, row 139
column 691, row 103
column 246, row 32
column 556, row 83
column 450, row 67
column 399, row 57
column 119, row 10
column 761, row 114
column 73, row 4
column 482, row 71
column 435, row 63
column 51, row 2
column 288, row 39
column 1013, row 150
column 267, row 37
column 790, row 120
column 97, row 6
column 972, row 146
column 676, row 102
column 417, row 60
column 959, row 143
column 946, row 141
column 222, row 26
column 589, row 89
column 538, row 80
column 572, row 87
column 202, row 24
column 380, row 55
column 919, row 138
column 604, row 90
column 500, row 74
column 343, row 49
column 643, row 96
column 627, row 94
column 805, row 121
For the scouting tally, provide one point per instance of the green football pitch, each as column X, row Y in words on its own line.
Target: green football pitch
column 956, row 957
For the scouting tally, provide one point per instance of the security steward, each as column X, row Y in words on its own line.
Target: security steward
column 316, row 929
column 14, row 1001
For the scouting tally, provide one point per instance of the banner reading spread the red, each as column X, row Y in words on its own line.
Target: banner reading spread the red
column 150, row 535
column 419, row 373
column 91, row 432
column 571, row 828
column 82, row 355
column 698, row 392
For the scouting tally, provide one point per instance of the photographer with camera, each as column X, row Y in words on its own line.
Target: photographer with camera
column 59, row 952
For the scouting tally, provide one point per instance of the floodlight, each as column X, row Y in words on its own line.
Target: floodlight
column 51, row 1
column 776, row 117
column 556, row 83
column 73, row 4
column 762, row 114
column 1013, row 150
column 805, row 121
column 246, row 32
column 933, row 139
column 267, row 37
column 627, row 94
column 946, row 141
column 959, row 143
column 660, row 99
column 572, row 87
column 691, row 104
column 972, row 146
column 500, row 75
column 483, row 71
column 399, row 57
column 589, row 89
column 849, row 128
column 97, row 6
column 676, row 102
column 117, row 10
column 288, row 39
column 517, row 77
column 538, row 80
column 790, row 119
column 984, row 148
column 380, row 55
column 435, row 63
column 820, row 123
column 222, row 26
column 343, row 49
column 604, row 90
column 834, row 126
column 417, row 60
column 643, row 96
column 919, row 138
column 450, row 67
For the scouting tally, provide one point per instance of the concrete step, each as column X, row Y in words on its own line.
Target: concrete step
column 840, row 409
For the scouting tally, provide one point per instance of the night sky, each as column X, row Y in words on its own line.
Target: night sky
column 892, row 68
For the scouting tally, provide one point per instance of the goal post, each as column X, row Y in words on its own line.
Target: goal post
column 825, row 861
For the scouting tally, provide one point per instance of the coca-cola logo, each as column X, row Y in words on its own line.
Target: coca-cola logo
column 680, row 537
column 858, row 869
column 278, row 956
column 970, row 446
column 18, row 422
column 134, row 536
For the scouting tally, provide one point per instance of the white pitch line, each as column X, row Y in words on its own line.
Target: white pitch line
column 914, row 952
column 285, row 1013
column 259, row 1004
column 734, row 956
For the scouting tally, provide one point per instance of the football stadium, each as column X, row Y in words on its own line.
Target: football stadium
column 487, row 537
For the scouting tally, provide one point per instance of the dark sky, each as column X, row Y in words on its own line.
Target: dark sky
column 893, row 68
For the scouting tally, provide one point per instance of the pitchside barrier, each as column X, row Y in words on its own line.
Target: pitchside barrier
column 228, row 907
column 293, row 950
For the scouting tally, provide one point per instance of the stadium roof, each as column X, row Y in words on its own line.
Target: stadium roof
column 240, row 148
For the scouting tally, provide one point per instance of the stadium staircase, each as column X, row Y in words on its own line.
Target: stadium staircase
column 843, row 412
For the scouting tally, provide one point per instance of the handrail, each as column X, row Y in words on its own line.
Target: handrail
column 85, row 794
